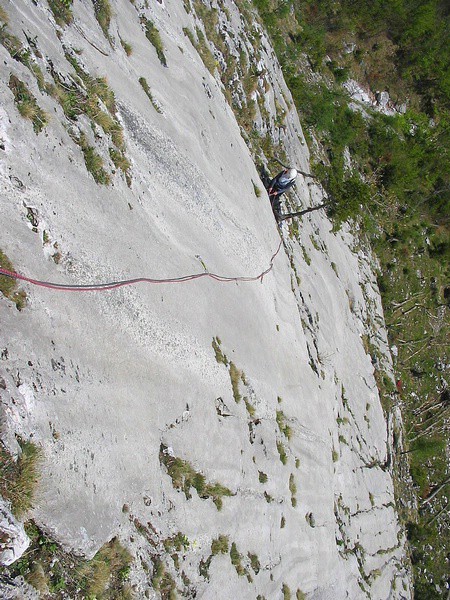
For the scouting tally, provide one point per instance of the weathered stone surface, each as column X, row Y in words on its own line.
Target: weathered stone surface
column 17, row 589
column 101, row 380
column 13, row 539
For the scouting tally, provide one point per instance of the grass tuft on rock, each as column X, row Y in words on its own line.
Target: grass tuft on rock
column 220, row 545
column 154, row 37
column 282, row 452
column 27, row 104
column 235, row 376
column 8, row 285
column 254, row 563
column 19, row 478
column 250, row 408
column 236, row 560
column 220, row 356
column 106, row 571
column 121, row 162
column 147, row 90
column 184, row 477
column 56, row 573
column 62, row 11
column 127, row 47
column 202, row 48
column 103, row 14
column 93, row 161
column 283, row 425
column 286, row 592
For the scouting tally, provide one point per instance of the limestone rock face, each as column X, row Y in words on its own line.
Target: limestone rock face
column 231, row 432
column 17, row 589
column 13, row 539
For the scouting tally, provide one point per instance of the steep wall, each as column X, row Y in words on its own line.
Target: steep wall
column 264, row 388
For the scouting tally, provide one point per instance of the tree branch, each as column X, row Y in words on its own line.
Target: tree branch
column 301, row 212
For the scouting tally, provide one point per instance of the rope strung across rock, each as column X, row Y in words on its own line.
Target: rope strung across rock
column 112, row 285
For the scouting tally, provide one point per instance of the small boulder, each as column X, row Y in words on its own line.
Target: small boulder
column 13, row 539
column 17, row 589
column 382, row 99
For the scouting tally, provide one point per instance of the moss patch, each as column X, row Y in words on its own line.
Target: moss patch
column 8, row 285
column 184, row 477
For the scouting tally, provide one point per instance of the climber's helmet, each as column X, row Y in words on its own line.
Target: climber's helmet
column 288, row 176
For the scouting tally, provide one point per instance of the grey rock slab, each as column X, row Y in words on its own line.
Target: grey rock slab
column 100, row 380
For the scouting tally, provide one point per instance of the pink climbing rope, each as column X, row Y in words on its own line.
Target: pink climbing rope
column 112, row 285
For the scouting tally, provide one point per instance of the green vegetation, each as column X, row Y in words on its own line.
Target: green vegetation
column 293, row 489
column 121, row 162
column 236, row 560
column 103, row 14
column 26, row 104
column 220, row 545
column 283, row 426
column 105, row 574
column 93, row 161
column 154, row 37
column 286, row 592
column 127, row 47
column 177, row 542
column 184, row 477
column 8, row 285
column 19, row 478
column 202, row 48
column 282, row 452
column 58, row 574
column 147, row 90
column 254, row 563
column 250, row 408
column 15, row 48
column 220, row 356
column 262, row 477
column 258, row 192
column 87, row 95
column 62, row 11
column 235, row 376
column 342, row 440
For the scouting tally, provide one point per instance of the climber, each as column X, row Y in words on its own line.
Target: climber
column 278, row 186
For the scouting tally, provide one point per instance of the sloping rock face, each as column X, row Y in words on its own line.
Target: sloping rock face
column 176, row 415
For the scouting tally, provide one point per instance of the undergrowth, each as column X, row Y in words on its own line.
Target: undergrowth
column 19, row 477
column 62, row 11
column 55, row 573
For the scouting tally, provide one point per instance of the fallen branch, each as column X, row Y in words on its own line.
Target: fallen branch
column 298, row 170
column 301, row 212
column 436, row 491
column 89, row 41
column 438, row 514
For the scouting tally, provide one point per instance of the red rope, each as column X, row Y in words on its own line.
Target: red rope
column 112, row 285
